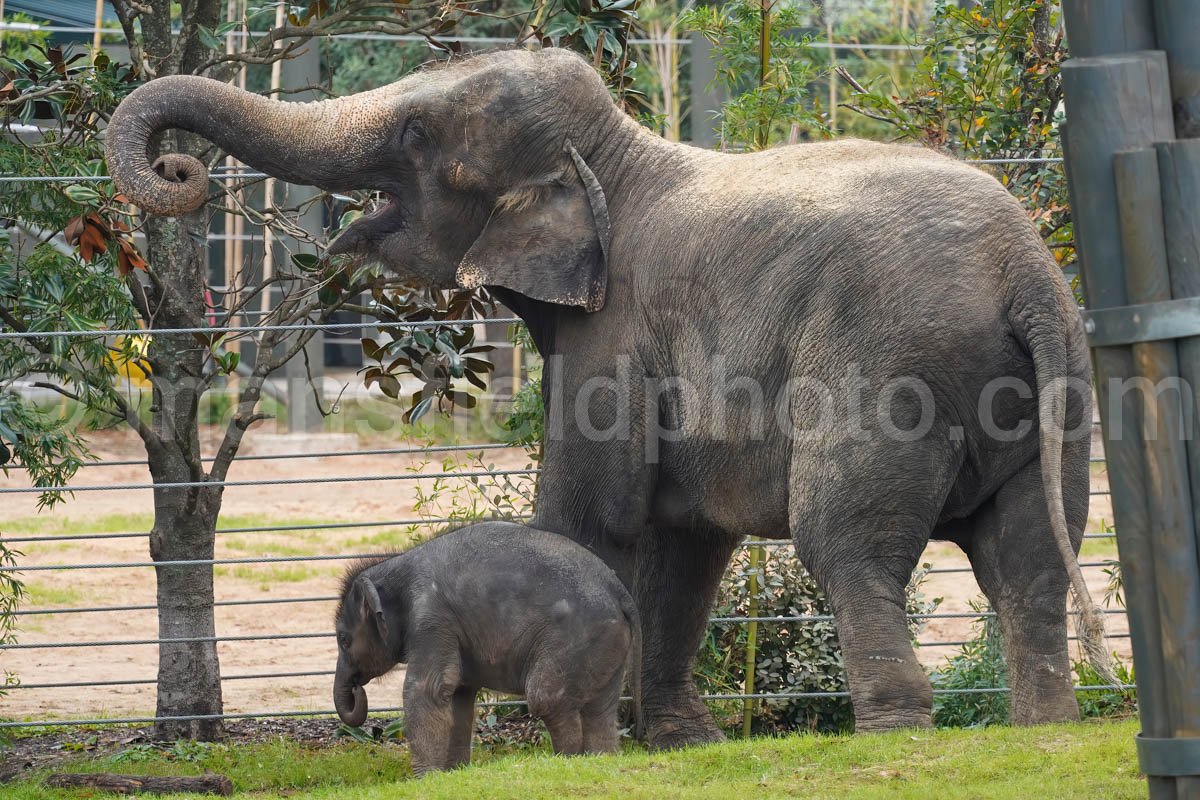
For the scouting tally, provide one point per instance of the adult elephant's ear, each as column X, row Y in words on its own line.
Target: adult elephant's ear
column 547, row 239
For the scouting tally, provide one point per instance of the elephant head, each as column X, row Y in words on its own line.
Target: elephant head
column 365, row 648
column 483, row 164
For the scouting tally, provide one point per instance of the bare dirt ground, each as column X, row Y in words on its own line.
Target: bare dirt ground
column 363, row 502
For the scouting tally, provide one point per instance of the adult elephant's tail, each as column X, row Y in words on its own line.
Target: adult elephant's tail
column 1045, row 331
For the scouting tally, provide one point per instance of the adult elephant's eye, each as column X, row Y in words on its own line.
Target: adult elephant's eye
column 416, row 135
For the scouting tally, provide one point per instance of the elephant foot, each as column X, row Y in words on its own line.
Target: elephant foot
column 1042, row 691
column 890, row 721
column 681, row 726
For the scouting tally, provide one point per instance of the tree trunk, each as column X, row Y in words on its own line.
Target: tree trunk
column 189, row 675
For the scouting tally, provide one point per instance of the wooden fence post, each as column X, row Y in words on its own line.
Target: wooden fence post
column 1135, row 191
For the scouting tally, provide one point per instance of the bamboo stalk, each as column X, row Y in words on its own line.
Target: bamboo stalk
column 99, row 22
column 833, row 73
column 756, row 554
column 268, row 262
column 763, row 134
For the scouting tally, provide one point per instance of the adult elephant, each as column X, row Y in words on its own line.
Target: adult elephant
column 854, row 345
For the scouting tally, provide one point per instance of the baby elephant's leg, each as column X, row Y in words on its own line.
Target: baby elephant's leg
column 566, row 731
column 599, row 717
column 434, row 712
column 462, row 710
column 551, row 702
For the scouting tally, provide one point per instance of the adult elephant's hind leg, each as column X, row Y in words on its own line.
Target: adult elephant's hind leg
column 861, row 523
column 888, row 687
column 677, row 578
column 1019, row 569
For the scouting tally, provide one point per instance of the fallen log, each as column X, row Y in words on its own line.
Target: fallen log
column 135, row 784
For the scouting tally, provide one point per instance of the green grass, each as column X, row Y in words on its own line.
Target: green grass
column 386, row 540
column 1096, row 549
column 51, row 524
column 380, row 419
column 1085, row 760
column 303, row 544
column 42, row 596
column 268, row 576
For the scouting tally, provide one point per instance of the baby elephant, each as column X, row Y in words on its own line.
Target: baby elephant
column 491, row 606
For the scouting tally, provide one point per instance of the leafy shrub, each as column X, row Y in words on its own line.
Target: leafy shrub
column 769, row 102
column 373, row 733
column 11, row 592
column 791, row 657
column 1106, row 702
column 979, row 664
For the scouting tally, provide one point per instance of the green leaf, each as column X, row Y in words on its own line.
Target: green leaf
column 307, row 262
column 82, row 193
column 209, row 38
column 460, row 398
column 418, row 410
column 371, row 349
column 390, row 386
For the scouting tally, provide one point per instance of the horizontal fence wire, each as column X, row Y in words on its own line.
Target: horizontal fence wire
column 768, row 696
column 329, row 634
column 315, row 526
column 484, row 40
column 380, row 451
column 316, row 673
column 153, row 607
column 398, row 523
column 265, row 481
column 270, row 637
column 328, row 327
column 209, row 562
column 332, row 598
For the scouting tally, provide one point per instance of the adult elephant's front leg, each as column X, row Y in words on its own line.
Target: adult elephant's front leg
column 678, row 573
column 597, row 471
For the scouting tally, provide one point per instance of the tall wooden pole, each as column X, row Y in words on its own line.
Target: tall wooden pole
column 1135, row 192
column 1105, row 91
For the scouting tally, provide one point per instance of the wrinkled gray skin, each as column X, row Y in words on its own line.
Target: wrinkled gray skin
column 636, row 261
column 490, row 606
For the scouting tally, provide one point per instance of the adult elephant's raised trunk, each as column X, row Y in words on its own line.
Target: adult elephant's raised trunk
column 332, row 144
column 349, row 699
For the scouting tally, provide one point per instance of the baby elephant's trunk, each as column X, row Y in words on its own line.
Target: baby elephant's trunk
column 349, row 699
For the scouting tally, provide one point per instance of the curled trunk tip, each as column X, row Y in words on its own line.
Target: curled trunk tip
column 351, row 704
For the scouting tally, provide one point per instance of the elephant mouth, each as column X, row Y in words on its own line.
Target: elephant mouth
column 385, row 204
column 361, row 238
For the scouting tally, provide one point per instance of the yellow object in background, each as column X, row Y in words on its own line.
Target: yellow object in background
column 132, row 367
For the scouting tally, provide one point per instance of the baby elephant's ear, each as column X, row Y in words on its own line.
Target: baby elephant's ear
column 547, row 239
column 371, row 607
